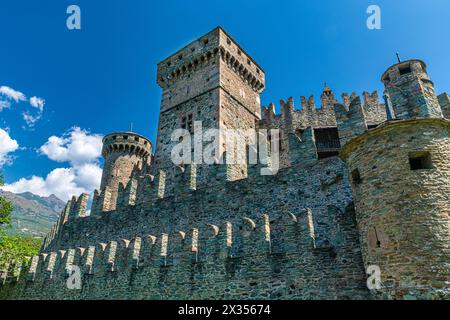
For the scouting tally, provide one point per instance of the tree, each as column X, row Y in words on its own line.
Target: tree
column 6, row 208
column 18, row 249
column 14, row 248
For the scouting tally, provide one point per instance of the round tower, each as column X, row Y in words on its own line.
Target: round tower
column 400, row 179
column 410, row 91
column 124, row 153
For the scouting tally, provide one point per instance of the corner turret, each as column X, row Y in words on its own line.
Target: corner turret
column 399, row 174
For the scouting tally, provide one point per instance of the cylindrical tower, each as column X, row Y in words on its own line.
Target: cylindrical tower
column 410, row 91
column 400, row 179
column 124, row 153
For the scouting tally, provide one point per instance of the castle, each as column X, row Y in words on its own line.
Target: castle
column 361, row 185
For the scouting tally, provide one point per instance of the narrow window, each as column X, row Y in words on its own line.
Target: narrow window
column 356, row 177
column 404, row 70
column 420, row 160
column 378, row 243
column 187, row 122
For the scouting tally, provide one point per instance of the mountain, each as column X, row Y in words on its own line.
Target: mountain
column 33, row 215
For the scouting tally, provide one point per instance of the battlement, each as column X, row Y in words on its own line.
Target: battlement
column 126, row 142
column 148, row 194
column 204, row 260
column 351, row 120
column 199, row 243
column 206, row 48
column 323, row 116
column 444, row 102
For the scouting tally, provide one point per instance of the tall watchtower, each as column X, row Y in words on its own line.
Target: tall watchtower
column 400, row 179
column 212, row 80
column 124, row 154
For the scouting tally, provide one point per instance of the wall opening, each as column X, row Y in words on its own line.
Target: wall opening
column 420, row 160
column 404, row 70
column 327, row 142
column 356, row 177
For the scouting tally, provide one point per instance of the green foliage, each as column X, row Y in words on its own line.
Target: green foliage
column 6, row 208
column 16, row 248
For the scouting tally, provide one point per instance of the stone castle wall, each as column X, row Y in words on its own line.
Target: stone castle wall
column 290, row 236
column 195, row 231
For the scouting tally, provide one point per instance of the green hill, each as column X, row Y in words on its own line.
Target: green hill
column 33, row 215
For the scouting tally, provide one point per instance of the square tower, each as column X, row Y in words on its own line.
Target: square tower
column 212, row 80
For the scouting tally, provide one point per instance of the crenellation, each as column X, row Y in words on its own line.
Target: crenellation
column 375, row 112
column 87, row 257
column 351, row 121
column 444, row 102
column 252, row 236
column 287, row 114
column 311, row 226
column 302, row 150
column 123, row 254
column 78, row 206
column 148, row 249
column 100, row 258
column 67, row 259
column 135, row 252
column 31, row 275
column 129, row 194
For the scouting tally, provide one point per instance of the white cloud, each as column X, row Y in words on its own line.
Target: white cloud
column 76, row 146
column 7, row 146
column 10, row 93
column 88, row 176
column 4, row 104
column 60, row 182
column 37, row 103
column 82, row 151
column 30, row 119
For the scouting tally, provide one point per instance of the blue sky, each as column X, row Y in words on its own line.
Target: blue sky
column 103, row 77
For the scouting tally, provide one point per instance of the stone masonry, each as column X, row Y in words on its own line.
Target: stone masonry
column 361, row 184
